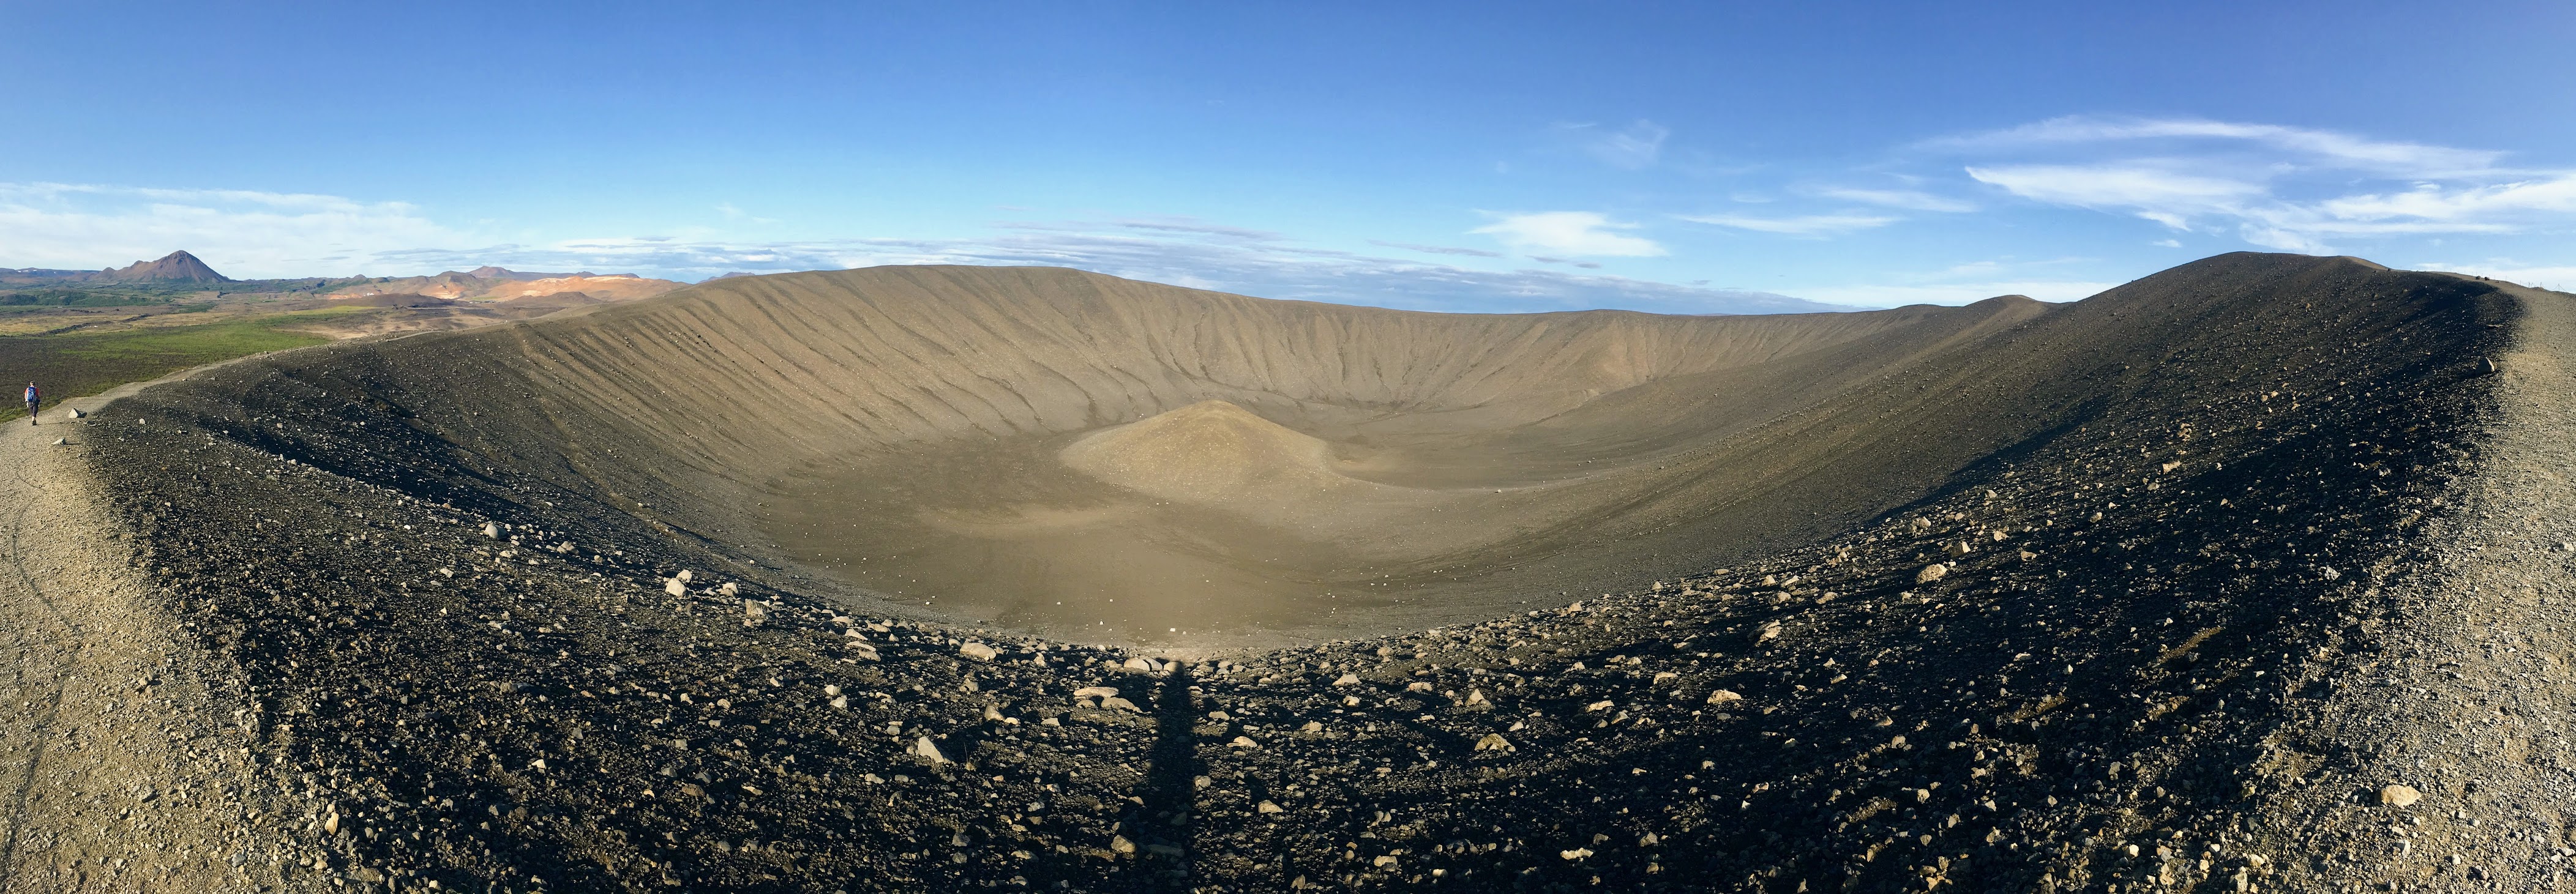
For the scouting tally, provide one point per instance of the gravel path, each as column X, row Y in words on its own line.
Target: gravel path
column 113, row 775
column 2459, row 686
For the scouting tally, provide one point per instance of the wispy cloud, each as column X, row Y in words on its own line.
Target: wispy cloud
column 733, row 213
column 1576, row 233
column 2258, row 214
column 1440, row 249
column 1908, row 199
column 2320, row 146
column 1197, row 227
column 2435, row 202
column 1803, row 225
column 1543, row 259
column 2129, row 186
column 2269, row 185
column 1636, row 146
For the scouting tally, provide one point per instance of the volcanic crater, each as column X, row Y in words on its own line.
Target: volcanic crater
column 951, row 578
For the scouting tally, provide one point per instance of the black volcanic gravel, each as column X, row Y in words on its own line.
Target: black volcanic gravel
column 2154, row 600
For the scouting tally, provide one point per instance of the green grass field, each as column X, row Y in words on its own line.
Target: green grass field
column 79, row 364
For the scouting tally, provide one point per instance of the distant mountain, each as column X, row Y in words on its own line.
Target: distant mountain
column 496, row 283
column 177, row 266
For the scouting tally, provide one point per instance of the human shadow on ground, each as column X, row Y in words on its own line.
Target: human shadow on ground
column 1161, row 826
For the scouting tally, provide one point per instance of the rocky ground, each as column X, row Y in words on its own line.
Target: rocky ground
column 2278, row 617
column 113, row 773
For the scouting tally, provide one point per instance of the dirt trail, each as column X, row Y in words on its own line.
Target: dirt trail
column 2462, row 689
column 115, row 770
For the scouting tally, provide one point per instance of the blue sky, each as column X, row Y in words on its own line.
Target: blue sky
column 1664, row 157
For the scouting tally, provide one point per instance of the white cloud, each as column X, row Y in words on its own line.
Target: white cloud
column 2317, row 146
column 1636, row 146
column 1807, row 225
column 2263, row 215
column 731, row 212
column 2433, row 202
column 1194, row 226
column 1439, row 249
column 2119, row 186
column 1908, row 199
column 1954, row 293
column 241, row 233
column 2273, row 186
column 1576, row 233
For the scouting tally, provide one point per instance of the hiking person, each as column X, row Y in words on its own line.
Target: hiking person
column 35, row 401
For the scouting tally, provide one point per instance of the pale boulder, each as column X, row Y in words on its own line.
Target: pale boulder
column 924, row 748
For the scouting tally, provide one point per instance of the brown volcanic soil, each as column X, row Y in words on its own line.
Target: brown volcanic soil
column 901, row 429
column 1210, row 524
column 2223, row 552
column 386, row 314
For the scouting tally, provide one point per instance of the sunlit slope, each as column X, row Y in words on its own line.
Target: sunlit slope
column 699, row 400
column 782, row 369
column 1020, row 442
